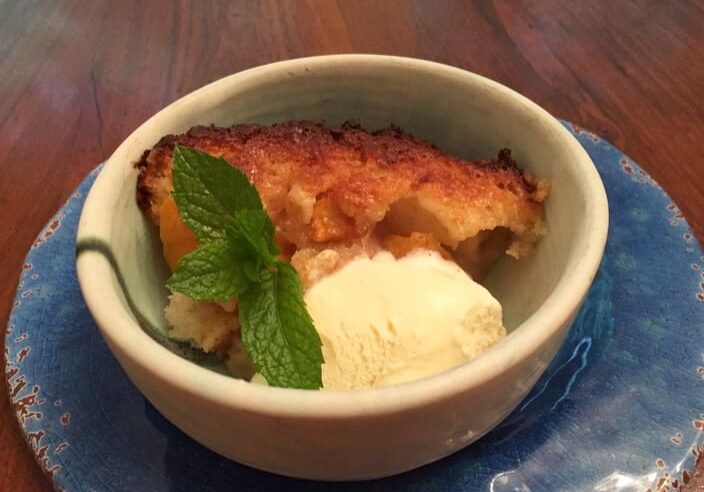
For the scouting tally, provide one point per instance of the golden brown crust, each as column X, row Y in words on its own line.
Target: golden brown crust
column 325, row 186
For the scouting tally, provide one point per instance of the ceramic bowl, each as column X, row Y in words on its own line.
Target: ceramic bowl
column 360, row 434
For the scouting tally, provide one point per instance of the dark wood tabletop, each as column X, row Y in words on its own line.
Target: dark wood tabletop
column 77, row 77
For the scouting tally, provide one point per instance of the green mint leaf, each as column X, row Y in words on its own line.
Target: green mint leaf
column 253, row 270
column 238, row 258
column 213, row 272
column 278, row 332
column 256, row 229
column 209, row 192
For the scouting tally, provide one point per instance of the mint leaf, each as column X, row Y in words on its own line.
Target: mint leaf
column 253, row 269
column 209, row 192
column 238, row 258
column 213, row 272
column 278, row 332
column 256, row 229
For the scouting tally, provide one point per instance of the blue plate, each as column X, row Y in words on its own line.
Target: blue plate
column 619, row 409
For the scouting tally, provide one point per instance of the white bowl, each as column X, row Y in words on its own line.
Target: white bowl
column 361, row 434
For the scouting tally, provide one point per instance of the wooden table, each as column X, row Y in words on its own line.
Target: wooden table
column 77, row 77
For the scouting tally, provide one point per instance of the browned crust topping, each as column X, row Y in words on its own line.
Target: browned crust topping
column 324, row 186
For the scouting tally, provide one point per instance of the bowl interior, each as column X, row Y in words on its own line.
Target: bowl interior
column 462, row 114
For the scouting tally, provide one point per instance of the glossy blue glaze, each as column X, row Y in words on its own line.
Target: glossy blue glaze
column 617, row 410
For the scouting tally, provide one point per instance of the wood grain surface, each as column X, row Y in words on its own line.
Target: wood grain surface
column 77, row 77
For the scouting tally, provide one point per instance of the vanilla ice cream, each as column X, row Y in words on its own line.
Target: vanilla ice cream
column 385, row 321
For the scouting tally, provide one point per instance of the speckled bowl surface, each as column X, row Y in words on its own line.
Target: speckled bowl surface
column 334, row 435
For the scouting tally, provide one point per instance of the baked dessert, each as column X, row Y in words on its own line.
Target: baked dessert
column 349, row 190
column 337, row 193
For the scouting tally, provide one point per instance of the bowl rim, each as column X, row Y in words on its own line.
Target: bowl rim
column 118, row 327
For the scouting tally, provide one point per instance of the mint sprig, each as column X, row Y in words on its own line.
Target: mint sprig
column 213, row 272
column 238, row 257
column 276, row 328
column 209, row 192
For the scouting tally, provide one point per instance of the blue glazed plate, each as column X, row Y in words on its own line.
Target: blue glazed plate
column 619, row 409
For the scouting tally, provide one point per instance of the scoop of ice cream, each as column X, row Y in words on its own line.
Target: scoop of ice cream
column 385, row 321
